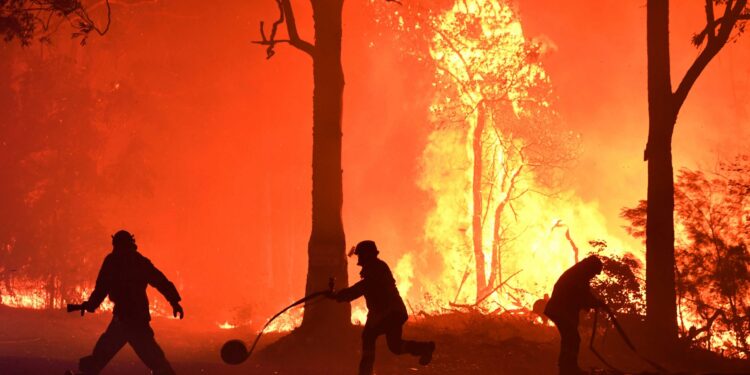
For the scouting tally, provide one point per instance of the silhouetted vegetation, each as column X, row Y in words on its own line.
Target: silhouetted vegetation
column 620, row 288
column 29, row 20
column 713, row 277
column 664, row 105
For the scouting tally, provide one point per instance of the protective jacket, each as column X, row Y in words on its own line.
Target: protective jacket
column 124, row 276
column 379, row 288
column 571, row 294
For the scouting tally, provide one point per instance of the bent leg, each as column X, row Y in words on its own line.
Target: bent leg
column 109, row 343
column 398, row 345
column 395, row 343
column 141, row 338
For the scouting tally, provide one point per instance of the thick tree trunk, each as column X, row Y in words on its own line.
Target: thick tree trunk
column 661, row 308
column 326, row 248
column 476, row 218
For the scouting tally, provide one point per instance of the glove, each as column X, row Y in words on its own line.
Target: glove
column 89, row 307
column 177, row 309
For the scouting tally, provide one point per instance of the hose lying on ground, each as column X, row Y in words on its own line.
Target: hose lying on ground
column 235, row 351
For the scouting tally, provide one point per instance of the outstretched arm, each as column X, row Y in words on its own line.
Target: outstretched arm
column 166, row 288
column 351, row 293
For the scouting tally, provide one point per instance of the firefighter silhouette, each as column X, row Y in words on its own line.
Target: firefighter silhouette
column 571, row 294
column 123, row 277
column 386, row 311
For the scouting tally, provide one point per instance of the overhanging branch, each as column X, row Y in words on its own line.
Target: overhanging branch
column 733, row 13
column 286, row 15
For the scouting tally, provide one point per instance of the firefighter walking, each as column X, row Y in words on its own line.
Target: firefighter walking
column 123, row 277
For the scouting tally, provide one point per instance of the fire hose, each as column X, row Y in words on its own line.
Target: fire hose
column 235, row 352
column 624, row 337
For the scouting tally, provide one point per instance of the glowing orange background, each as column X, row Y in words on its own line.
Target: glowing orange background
column 227, row 134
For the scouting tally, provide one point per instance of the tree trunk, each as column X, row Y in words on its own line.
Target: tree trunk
column 496, row 268
column 661, row 308
column 326, row 248
column 476, row 218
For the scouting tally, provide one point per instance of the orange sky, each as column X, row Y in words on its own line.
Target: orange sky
column 227, row 133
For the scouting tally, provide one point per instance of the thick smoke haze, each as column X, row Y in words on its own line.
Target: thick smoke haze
column 218, row 138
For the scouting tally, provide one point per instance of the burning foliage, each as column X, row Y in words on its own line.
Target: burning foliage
column 492, row 165
column 711, row 222
column 621, row 286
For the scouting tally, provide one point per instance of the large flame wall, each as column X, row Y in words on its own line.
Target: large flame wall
column 223, row 138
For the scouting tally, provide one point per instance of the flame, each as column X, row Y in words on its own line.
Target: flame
column 481, row 56
column 33, row 294
column 359, row 315
column 28, row 299
column 293, row 318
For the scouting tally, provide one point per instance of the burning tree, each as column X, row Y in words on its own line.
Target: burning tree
column 494, row 94
column 664, row 106
column 712, row 259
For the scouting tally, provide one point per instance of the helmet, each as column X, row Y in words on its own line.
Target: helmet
column 364, row 250
column 124, row 240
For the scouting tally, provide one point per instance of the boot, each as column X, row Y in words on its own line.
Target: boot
column 426, row 357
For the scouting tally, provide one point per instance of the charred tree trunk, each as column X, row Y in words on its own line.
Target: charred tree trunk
column 661, row 308
column 663, row 107
column 326, row 247
column 476, row 218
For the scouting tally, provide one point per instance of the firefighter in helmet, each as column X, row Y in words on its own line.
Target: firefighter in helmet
column 571, row 294
column 386, row 311
column 123, row 277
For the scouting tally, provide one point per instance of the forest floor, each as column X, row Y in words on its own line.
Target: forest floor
column 50, row 342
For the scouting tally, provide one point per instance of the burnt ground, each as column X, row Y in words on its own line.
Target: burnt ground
column 49, row 342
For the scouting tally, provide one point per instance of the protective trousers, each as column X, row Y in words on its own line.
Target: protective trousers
column 391, row 327
column 570, row 342
column 139, row 335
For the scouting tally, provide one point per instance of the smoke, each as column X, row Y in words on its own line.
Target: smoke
column 213, row 142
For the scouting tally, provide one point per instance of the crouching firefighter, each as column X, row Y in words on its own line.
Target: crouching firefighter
column 571, row 294
column 386, row 311
column 124, row 276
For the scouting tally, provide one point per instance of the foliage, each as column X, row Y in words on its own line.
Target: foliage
column 26, row 20
column 712, row 218
column 620, row 288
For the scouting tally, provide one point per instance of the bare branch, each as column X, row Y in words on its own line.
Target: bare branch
column 500, row 285
column 286, row 15
column 455, row 50
column 710, row 19
column 467, row 272
column 484, row 297
column 727, row 23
